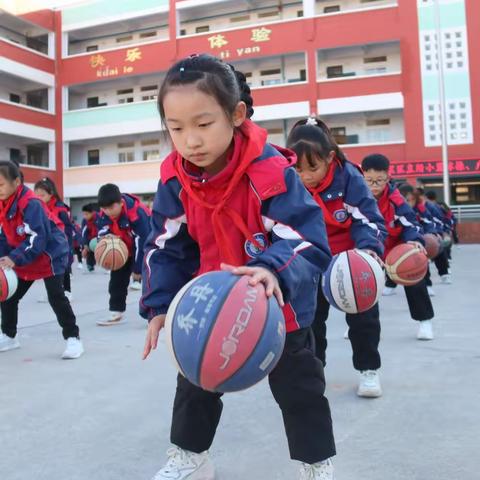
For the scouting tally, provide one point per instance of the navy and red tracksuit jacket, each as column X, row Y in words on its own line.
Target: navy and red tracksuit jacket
column 425, row 219
column 32, row 237
column 438, row 215
column 132, row 226
column 77, row 236
column 400, row 219
column 350, row 211
column 89, row 229
column 255, row 212
column 62, row 212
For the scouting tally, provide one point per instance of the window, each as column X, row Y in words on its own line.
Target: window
column 331, row 9
column 37, row 155
column 127, row 38
column 299, row 13
column 275, row 131
column 242, row 18
column 153, row 92
column 375, row 122
column 202, row 29
column 92, row 48
column 148, row 34
column 125, row 157
column 123, row 95
column 125, row 91
column 183, row 32
column 126, row 145
column 149, row 141
column 273, row 71
column 16, row 155
column 151, row 155
column 92, row 102
column 335, row 71
column 14, row 98
column 379, row 59
column 93, row 157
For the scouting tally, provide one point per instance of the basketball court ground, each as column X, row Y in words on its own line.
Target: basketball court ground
column 107, row 415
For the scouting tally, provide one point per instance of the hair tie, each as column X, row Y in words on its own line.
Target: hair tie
column 311, row 121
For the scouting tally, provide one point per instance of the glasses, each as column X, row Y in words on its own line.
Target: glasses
column 378, row 183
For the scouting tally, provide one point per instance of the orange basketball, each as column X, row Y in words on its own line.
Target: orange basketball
column 111, row 253
column 432, row 245
column 406, row 264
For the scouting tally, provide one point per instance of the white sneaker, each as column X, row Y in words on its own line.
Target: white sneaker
column 446, row 279
column 369, row 385
column 74, row 349
column 317, row 471
column 7, row 343
column 115, row 318
column 80, row 266
column 69, row 296
column 345, row 335
column 425, row 330
column 182, row 464
column 388, row 291
column 136, row 286
column 431, row 291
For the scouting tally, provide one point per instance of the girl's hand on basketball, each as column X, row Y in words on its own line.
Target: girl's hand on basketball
column 6, row 263
column 418, row 245
column 154, row 327
column 259, row 275
column 375, row 256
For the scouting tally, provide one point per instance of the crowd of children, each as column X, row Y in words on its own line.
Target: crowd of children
column 224, row 188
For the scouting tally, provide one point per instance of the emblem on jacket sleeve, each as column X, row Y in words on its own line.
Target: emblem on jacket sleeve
column 340, row 215
column 251, row 249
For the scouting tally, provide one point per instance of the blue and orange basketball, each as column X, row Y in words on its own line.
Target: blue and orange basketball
column 353, row 281
column 8, row 284
column 224, row 334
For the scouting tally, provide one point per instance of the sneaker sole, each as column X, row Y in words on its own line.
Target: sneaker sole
column 109, row 323
column 371, row 394
column 424, row 339
column 72, row 357
column 7, row 349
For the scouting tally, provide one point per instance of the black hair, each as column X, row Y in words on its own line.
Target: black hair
column 89, row 207
column 10, row 171
column 431, row 195
column 49, row 186
column 312, row 139
column 376, row 161
column 405, row 189
column 109, row 194
column 211, row 76
column 420, row 191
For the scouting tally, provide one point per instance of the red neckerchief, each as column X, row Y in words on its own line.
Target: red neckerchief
column 248, row 144
column 6, row 205
column 321, row 187
column 52, row 204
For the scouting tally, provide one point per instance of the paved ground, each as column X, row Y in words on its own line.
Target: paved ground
column 106, row 416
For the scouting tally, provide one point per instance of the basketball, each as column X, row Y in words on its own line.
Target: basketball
column 92, row 245
column 432, row 245
column 111, row 253
column 224, row 334
column 353, row 281
column 406, row 264
column 8, row 284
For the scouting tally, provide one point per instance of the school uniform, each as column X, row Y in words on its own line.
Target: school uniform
column 353, row 221
column 254, row 212
column 133, row 227
column 77, row 242
column 62, row 212
column 33, row 238
column 89, row 232
column 402, row 226
column 441, row 260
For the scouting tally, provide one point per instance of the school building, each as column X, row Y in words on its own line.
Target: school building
column 78, row 84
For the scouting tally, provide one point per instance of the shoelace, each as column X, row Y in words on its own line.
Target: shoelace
column 176, row 458
column 311, row 472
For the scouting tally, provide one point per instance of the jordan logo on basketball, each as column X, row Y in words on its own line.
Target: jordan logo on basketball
column 230, row 343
